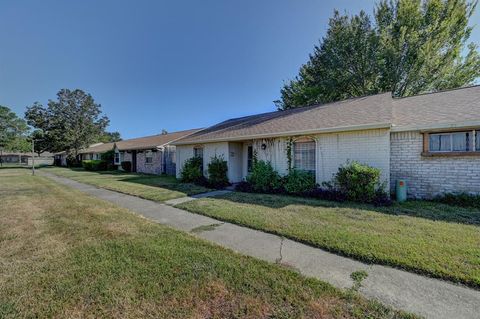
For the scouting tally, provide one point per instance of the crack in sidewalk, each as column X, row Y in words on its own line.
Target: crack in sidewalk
column 279, row 259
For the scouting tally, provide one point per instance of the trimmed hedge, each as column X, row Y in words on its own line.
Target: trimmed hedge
column 217, row 172
column 126, row 166
column 94, row 165
column 353, row 182
column 192, row 171
column 264, row 179
column 459, row 199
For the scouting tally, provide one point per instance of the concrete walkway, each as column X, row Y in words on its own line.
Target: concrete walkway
column 424, row 296
column 185, row 199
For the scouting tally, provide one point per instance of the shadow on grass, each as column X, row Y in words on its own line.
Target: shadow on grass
column 415, row 208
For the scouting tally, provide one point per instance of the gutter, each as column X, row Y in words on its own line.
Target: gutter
column 437, row 126
column 290, row 133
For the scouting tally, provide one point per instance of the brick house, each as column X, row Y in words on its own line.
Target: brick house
column 430, row 140
column 150, row 154
column 95, row 151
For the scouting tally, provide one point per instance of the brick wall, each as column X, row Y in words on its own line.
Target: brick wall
column 150, row 168
column 430, row 176
column 371, row 147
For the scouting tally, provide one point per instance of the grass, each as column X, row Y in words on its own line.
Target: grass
column 424, row 237
column 153, row 187
column 65, row 254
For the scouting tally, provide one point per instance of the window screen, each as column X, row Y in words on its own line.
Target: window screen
column 304, row 156
column 450, row 142
column 148, row 157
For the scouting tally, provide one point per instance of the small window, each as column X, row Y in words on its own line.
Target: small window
column 117, row 158
column 304, row 155
column 450, row 142
column 148, row 157
column 249, row 158
column 198, row 152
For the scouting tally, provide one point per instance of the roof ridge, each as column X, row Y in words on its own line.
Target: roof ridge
column 437, row 92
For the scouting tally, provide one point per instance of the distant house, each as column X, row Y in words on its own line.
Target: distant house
column 60, row 158
column 44, row 158
column 150, row 154
column 430, row 140
column 95, row 151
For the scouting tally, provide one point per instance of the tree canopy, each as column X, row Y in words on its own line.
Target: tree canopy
column 70, row 123
column 13, row 131
column 413, row 46
column 108, row 137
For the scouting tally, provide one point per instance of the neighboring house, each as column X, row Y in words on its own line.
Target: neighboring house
column 44, row 158
column 95, row 151
column 150, row 154
column 431, row 140
column 60, row 158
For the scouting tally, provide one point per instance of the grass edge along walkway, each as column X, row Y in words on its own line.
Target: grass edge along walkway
column 347, row 240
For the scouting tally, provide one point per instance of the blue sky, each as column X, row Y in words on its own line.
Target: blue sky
column 161, row 64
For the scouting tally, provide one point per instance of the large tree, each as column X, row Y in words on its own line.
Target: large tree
column 12, row 130
column 414, row 46
column 109, row 137
column 70, row 123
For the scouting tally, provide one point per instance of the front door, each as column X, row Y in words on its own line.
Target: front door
column 134, row 161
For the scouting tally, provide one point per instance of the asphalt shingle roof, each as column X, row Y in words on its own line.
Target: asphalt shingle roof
column 150, row 142
column 381, row 110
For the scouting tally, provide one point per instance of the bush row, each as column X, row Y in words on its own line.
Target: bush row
column 192, row 172
column 94, row 165
column 459, row 199
column 353, row 182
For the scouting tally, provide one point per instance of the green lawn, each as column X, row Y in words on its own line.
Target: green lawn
column 153, row 187
column 424, row 237
column 65, row 254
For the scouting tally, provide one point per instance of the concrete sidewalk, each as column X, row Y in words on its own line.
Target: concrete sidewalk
column 424, row 296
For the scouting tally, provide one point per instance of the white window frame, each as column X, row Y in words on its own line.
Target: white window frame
column 116, row 158
column 314, row 164
column 148, row 155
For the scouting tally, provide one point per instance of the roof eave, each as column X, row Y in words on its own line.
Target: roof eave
column 437, row 126
column 290, row 133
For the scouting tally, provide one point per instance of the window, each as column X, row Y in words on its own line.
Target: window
column 198, row 152
column 249, row 158
column 117, row 158
column 450, row 142
column 148, row 157
column 304, row 155
column 477, row 147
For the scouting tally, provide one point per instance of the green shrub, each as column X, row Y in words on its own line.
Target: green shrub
column 298, row 182
column 359, row 182
column 217, row 172
column 459, row 199
column 264, row 178
column 192, row 171
column 126, row 166
column 94, row 165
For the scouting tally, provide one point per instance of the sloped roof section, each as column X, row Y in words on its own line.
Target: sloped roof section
column 151, row 142
column 444, row 109
column 97, row 148
column 370, row 111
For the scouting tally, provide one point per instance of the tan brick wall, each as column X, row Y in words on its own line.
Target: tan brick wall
column 430, row 176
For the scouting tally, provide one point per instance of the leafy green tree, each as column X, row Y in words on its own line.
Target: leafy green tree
column 12, row 131
column 413, row 47
column 108, row 137
column 70, row 123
